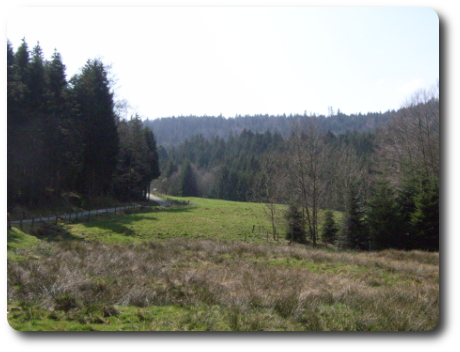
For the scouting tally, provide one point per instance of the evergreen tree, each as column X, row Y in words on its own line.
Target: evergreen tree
column 354, row 233
column 35, row 82
column 56, row 83
column 222, row 189
column 27, row 172
column 21, row 60
column 296, row 225
column 137, row 160
column 187, row 181
column 152, row 159
column 330, row 229
column 385, row 220
column 94, row 106
column 170, row 168
column 425, row 218
column 62, row 135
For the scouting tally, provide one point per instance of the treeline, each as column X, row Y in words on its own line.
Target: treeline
column 219, row 168
column 386, row 182
column 232, row 169
column 64, row 135
column 172, row 131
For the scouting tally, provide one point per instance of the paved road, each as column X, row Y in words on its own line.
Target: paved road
column 161, row 202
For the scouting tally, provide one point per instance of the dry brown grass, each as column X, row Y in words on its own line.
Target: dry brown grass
column 254, row 286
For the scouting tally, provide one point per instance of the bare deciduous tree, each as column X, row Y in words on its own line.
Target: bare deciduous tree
column 410, row 144
column 347, row 170
column 309, row 165
column 270, row 188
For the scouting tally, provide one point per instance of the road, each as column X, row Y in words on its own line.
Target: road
column 160, row 202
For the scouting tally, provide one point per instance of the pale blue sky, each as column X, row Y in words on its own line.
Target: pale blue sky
column 181, row 61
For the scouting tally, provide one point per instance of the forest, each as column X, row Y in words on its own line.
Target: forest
column 174, row 130
column 380, row 169
column 385, row 179
column 64, row 135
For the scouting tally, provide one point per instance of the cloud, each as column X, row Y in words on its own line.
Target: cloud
column 381, row 82
column 412, row 86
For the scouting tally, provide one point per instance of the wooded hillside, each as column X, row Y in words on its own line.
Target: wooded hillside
column 174, row 130
column 386, row 180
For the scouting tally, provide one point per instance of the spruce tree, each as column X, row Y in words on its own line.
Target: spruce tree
column 354, row 233
column 330, row 229
column 425, row 218
column 153, row 159
column 296, row 225
column 35, row 82
column 21, row 60
column 384, row 220
column 94, row 106
column 62, row 142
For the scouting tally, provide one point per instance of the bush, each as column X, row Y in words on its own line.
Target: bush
column 66, row 302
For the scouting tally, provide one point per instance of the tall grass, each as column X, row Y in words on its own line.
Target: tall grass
column 223, row 285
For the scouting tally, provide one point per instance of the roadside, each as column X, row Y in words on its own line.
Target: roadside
column 88, row 213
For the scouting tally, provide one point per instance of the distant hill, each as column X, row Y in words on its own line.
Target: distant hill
column 170, row 131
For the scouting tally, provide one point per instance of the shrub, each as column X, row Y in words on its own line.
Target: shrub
column 65, row 302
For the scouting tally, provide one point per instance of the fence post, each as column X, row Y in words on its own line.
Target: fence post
column 20, row 222
column 89, row 215
column 56, row 219
column 33, row 221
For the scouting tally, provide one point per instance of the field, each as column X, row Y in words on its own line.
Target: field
column 211, row 266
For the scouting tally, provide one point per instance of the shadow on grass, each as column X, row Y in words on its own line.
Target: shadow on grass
column 13, row 236
column 120, row 225
column 42, row 231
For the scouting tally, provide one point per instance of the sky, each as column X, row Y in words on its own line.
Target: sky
column 172, row 61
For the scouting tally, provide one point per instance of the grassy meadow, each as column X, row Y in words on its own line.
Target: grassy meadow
column 210, row 266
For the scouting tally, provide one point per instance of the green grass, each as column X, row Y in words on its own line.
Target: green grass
column 202, row 267
column 17, row 239
column 206, row 218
